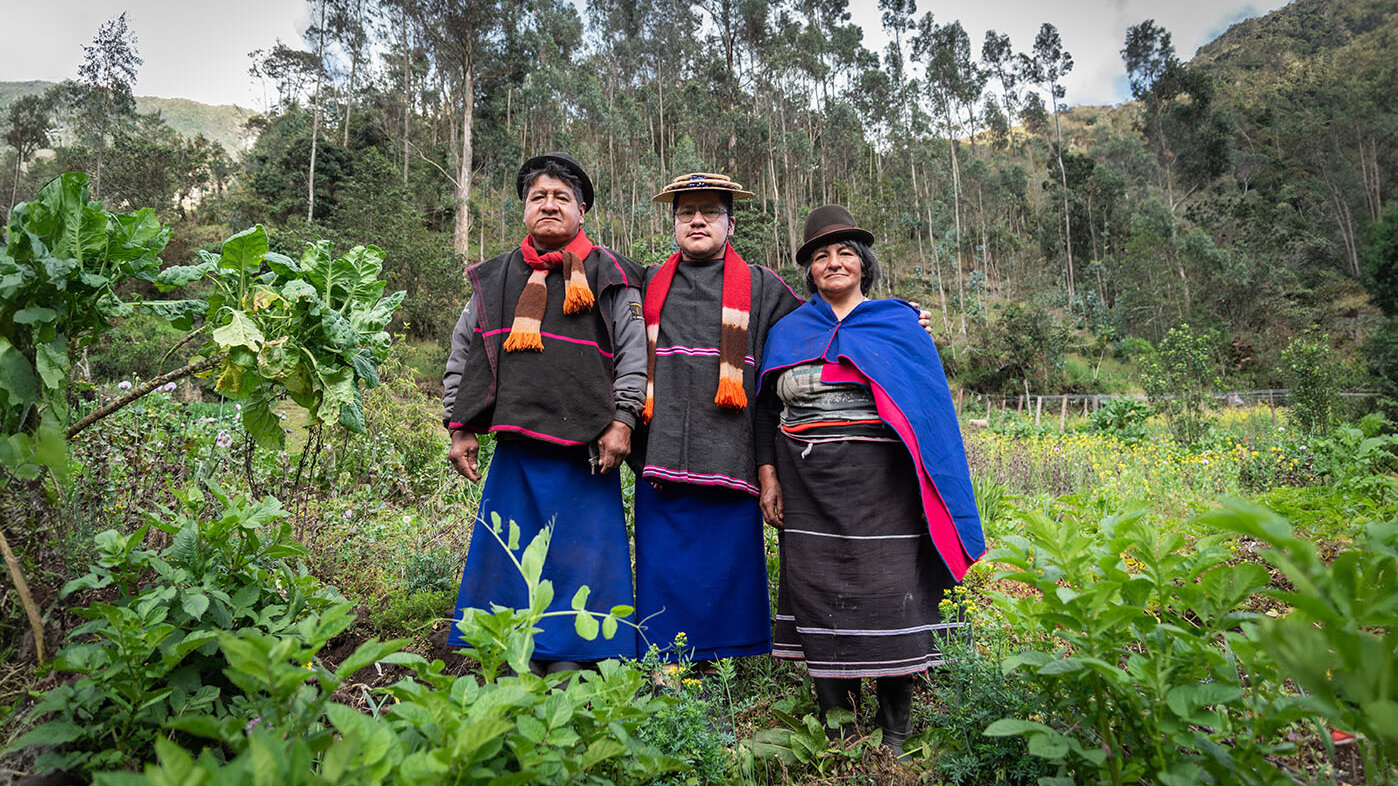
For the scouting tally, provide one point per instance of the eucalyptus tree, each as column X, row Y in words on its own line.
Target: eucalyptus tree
column 955, row 84
column 105, row 80
column 1189, row 136
column 30, row 120
column 462, row 38
column 1049, row 64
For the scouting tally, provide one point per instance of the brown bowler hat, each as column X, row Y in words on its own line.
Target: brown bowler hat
column 826, row 225
column 700, row 181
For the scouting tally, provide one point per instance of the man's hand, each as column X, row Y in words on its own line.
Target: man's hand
column 613, row 446
column 770, row 499
column 924, row 318
column 462, row 456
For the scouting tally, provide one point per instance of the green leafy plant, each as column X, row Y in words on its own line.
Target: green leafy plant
column 1313, row 375
column 1179, row 377
column 312, row 330
column 1147, row 654
column 515, row 728
column 1122, row 418
column 151, row 656
column 1339, row 643
column 63, row 259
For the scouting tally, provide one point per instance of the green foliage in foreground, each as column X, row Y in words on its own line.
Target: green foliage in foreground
column 1175, row 679
column 206, row 669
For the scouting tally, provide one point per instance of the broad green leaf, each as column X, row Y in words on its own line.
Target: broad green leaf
column 51, row 360
column 1010, row 727
column 240, row 331
column 338, row 391
column 194, row 604
column 28, row 316
column 244, row 251
column 609, row 625
column 1048, row 745
column 17, row 377
column 179, row 313
column 263, row 425
column 586, row 625
column 338, row 330
column 281, row 264
column 55, row 732
column 182, row 275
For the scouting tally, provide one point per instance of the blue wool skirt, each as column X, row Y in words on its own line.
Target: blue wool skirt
column 536, row 484
column 701, row 570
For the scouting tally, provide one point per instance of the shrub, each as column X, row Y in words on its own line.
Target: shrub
column 1179, row 378
column 1310, row 370
column 1122, row 418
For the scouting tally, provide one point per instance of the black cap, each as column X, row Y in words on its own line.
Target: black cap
column 567, row 162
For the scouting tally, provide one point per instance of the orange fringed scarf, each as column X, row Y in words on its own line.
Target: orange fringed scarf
column 733, row 333
column 529, row 311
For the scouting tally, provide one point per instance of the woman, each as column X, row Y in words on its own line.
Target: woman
column 864, row 472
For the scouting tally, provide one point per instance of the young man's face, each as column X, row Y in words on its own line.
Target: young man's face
column 552, row 213
column 702, row 225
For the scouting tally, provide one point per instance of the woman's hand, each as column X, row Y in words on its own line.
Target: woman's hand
column 924, row 317
column 770, row 499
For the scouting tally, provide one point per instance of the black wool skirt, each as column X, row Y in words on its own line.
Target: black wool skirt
column 860, row 581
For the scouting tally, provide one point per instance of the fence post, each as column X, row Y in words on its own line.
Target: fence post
column 1063, row 415
column 1038, row 409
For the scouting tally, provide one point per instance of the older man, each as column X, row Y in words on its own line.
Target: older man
column 701, row 566
column 549, row 355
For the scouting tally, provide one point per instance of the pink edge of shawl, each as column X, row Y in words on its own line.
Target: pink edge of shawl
column 939, row 523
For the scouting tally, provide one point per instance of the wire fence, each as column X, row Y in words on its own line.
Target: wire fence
column 1084, row 404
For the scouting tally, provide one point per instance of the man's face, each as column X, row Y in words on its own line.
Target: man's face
column 702, row 225
column 552, row 213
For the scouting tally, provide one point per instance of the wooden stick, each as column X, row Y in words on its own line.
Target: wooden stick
column 1063, row 415
column 1038, row 409
column 36, row 623
column 138, row 391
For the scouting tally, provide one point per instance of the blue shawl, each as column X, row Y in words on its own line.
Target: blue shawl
column 881, row 345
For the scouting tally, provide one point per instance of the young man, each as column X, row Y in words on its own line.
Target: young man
column 549, row 355
column 701, row 566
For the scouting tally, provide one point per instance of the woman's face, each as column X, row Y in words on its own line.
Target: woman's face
column 836, row 271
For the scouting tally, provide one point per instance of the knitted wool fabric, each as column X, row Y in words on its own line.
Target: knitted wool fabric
column 733, row 334
column 529, row 311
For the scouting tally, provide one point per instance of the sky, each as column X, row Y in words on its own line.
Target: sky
column 198, row 49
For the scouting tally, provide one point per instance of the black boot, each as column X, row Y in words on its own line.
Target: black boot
column 895, row 711
column 543, row 668
column 836, row 693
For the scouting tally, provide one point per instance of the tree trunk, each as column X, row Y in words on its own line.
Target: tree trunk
column 407, row 95
column 461, row 240
column 315, row 118
column 1063, row 175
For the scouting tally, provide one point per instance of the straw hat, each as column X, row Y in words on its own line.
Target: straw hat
column 700, row 181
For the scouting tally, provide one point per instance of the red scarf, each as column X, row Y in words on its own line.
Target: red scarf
column 529, row 311
column 733, row 333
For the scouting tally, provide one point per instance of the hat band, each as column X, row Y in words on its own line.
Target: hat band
column 832, row 228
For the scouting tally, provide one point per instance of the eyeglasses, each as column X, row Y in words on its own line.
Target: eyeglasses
column 711, row 212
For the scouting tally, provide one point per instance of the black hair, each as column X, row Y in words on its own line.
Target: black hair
column 555, row 170
column 869, row 269
column 724, row 197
